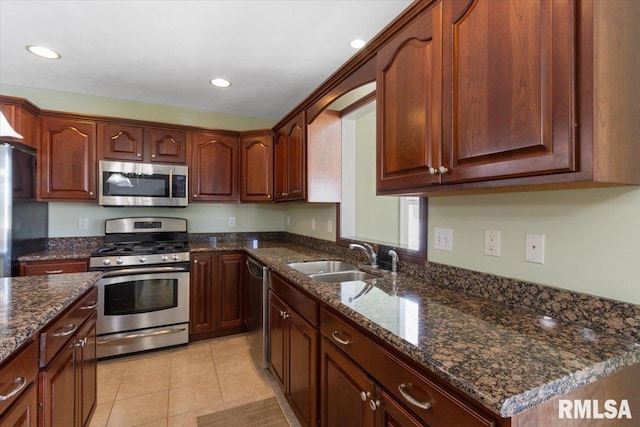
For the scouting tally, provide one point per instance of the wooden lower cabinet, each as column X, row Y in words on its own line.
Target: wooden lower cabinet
column 217, row 295
column 24, row 411
column 293, row 358
column 68, row 383
column 35, row 268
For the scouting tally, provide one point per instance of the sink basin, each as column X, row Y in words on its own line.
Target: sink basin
column 343, row 276
column 318, row 267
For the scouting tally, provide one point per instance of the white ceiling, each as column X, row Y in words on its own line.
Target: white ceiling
column 165, row 52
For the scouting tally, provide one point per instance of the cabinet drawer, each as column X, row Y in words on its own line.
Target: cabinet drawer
column 53, row 267
column 296, row 299
column 445, row 409
column 18, row 375
column 62, row 329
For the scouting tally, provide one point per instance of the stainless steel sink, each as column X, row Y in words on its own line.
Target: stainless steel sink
column 343, row 276
column 319, row 267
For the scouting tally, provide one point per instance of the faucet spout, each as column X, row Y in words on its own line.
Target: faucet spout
column 368, row 250
column 394, row 261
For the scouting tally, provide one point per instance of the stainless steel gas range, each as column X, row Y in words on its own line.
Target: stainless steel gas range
column 144, row 293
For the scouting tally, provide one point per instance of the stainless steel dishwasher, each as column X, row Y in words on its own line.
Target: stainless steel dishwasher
column 257, row 310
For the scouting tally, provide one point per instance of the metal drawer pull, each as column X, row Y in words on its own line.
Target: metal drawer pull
column 374, row 404
column 402, row 389
column 22, row 382
column 339, row 340
column 91, row 306
column 284, row 314
column 53, row 271
column 66, row 333
column 364, row 395
column 111, row 341
column 80, row 343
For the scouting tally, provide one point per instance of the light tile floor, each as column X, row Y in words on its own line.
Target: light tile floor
column 173, row 387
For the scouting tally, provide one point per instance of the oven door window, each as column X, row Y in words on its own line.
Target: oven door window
column 140, row 296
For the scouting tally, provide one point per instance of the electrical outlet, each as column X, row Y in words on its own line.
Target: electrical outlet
column 492, row 242
column 329, row 226
column 443, row 239
column 288, row 220
column 232, row 221
column 83, row 223
column 534, row 248
column 313, row 224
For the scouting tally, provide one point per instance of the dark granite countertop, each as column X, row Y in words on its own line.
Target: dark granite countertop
column 29, row 303
column 58, row 254
column 506, row 358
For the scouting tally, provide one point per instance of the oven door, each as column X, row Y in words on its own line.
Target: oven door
column 139, row 298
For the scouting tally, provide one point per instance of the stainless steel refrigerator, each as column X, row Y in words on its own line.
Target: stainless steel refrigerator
column 23, row 220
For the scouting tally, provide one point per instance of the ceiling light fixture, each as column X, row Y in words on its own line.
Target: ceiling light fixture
column 357, row 43
column 219, row 82
column 43, row 52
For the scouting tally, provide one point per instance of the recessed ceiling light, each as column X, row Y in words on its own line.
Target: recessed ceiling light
column 357, row 43
column 43, row 52
column 218, row 82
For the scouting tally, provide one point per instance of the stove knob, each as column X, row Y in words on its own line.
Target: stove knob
column 176, row 257
column 142, row 259
column 106, row 261
column 164, row 258
column 119, row 261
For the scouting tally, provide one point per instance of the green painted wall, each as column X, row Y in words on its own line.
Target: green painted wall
column 298, row 216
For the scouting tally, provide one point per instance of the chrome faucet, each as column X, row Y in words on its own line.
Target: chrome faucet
column 394, row 261
column 367, row 249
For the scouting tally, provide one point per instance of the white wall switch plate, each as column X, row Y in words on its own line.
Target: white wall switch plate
column 492, row 242
column 83, row 223
column 443, row 239
column 534, row 248
column 232, row 221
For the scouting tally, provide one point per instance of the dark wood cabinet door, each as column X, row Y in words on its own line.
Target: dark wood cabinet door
column 278, row 343
column 167, row 145
column 57, row 390
column 201, row 315
column 257, row 169
column 280, row 157
column 118, row 141
column 24, row 411
column 390, row 413
column 214, row 167
column 86, row 370
column 508, row 92
column 230, row 291
column 303, row 369
column 68, row 159
column 408, row 105
column 297, row 160
column 342, row 388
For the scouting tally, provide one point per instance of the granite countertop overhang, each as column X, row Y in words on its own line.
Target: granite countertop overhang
column 507, row 358
column 28, row 303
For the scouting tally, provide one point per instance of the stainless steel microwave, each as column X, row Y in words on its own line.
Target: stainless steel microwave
column 142, row 184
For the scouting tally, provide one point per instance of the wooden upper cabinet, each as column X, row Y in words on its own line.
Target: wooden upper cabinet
column 214, row 164
column 256, row 183
column 67, row 167
column 167, row 145
column 118, row 141
column 509, row 88
column 290, row 178
column 23, row 118
column 126, row 142
column 408, row 104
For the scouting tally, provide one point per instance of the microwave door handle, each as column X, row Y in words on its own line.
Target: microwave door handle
column 171, row 184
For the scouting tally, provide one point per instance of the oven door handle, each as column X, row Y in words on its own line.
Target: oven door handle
column 130, row 271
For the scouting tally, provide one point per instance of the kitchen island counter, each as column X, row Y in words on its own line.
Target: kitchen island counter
column 29, row 303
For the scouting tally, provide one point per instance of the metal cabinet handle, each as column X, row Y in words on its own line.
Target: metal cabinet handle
column 195, row 196
column 339, row 340
column 53, row 271
column 195, row 261
column 22, row 382
column 139, row 154
column 364, row 395
column 432, row 170
column 284, row 314
column 402, row 388
column 374, row 404
column 91, row 193
column 67, row 333
column 80, row 343
column 153, row 156
column 442, row 170
column 91, row 306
